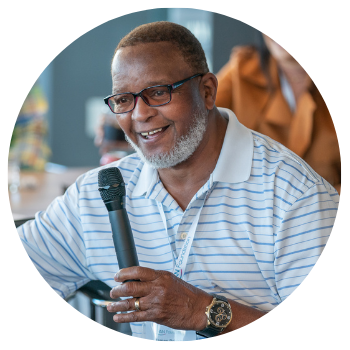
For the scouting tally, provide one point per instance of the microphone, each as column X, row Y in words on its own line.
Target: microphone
column 112, row 191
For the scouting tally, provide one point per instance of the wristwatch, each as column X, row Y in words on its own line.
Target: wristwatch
column 219, row 316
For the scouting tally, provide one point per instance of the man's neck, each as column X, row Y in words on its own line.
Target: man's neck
column 184, row 180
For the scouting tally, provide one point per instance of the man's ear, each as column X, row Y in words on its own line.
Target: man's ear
column 210, row 88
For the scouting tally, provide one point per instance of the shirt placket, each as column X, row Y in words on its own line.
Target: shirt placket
column 196, row 204
column 179, row 222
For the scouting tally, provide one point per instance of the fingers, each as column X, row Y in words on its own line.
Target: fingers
column 136, row 273
column 147, row 280
column 126, row 305
column 134, row 289
column 131, row 317
column 129, row 305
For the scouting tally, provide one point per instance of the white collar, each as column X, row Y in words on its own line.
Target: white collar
column 234, row 163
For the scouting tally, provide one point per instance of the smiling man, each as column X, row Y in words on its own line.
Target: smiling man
column 227, row 222
column 174, row 127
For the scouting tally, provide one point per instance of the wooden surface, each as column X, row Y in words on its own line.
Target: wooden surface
column 38, row 189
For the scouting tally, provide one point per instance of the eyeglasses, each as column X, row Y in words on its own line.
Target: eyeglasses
column 153, row 96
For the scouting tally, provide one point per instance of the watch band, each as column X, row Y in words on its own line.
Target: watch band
column 210, row 330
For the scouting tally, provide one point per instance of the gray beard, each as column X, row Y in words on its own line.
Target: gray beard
column 183, row 149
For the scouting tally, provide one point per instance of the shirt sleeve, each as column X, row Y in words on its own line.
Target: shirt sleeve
column 54, row 242
column 303, row 235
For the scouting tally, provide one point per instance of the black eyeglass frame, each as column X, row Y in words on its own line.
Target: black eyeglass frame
column 170, row 87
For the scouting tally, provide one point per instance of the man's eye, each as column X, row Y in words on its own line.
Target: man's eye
column 123, row 99
column 158, row 93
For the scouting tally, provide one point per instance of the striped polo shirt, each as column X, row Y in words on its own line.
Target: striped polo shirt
column 265, row 219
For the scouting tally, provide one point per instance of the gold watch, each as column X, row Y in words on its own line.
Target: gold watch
column 219, row 316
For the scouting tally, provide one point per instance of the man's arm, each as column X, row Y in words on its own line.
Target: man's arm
column 55, row 244
column 302, row 236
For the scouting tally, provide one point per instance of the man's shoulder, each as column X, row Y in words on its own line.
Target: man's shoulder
column 287, row 170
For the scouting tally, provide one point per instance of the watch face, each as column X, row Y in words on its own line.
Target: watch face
column 220, row 314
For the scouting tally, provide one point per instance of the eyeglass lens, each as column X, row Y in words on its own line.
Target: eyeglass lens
column 153, row 96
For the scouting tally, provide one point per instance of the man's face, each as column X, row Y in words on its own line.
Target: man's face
column 175, row 129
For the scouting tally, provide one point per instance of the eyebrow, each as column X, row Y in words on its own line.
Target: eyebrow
column 149, row 84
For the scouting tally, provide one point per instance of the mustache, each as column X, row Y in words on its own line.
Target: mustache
column 184, row 147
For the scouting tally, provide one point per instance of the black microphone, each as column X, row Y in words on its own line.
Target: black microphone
column 112, row 191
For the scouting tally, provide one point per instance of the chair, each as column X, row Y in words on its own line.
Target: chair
column 97, row 293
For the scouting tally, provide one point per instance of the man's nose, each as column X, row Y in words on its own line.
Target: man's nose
column 142, row 111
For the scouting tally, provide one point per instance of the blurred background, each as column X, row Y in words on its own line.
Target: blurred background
column 64, row 127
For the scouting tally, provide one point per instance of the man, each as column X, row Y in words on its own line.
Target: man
column 214, row 207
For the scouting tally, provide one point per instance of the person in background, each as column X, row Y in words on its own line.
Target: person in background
column 271, row 93
column 110, row 139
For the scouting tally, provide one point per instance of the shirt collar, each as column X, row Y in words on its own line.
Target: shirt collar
column 234, row 163
column 236, row 156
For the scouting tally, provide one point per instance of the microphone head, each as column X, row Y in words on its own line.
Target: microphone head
column 111, row 184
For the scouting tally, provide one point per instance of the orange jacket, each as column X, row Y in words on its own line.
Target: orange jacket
column 309, row 133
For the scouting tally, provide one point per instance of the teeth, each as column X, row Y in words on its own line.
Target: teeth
column 151, row 132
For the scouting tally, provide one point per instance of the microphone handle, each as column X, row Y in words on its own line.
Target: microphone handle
column 123, row 238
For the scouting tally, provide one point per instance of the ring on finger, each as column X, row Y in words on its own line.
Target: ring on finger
column 137, row 304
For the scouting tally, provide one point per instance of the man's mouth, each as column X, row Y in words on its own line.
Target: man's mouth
column 147, row 134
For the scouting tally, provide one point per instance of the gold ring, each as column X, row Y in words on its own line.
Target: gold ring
column 137, row 304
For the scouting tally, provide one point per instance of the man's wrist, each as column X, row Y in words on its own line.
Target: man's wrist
column 202, row 320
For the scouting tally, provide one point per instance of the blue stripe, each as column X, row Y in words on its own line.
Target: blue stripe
column 295, row 268
column 311, row 213
column 302, row 250
column 235, row 206
column 232, row 223
column 304, row 232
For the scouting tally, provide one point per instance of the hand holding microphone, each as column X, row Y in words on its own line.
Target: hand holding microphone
column 112, row 190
